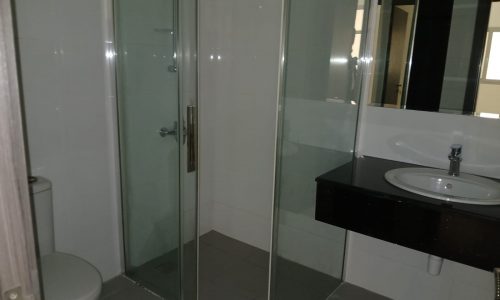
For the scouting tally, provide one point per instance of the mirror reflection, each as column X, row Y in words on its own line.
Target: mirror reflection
column 441, row 56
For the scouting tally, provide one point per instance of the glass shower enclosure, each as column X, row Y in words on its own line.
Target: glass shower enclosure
column 156, row 78
column 157, row 82
column 319, row 103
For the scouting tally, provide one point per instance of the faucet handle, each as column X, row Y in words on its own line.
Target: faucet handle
column 456, row 150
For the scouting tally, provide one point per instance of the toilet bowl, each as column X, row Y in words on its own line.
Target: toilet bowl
column 67, row 277
column 64, row 276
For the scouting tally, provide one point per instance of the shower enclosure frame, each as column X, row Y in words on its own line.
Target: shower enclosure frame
column 16, row 187
column 187, row 110
column 364, row 62
column 285, row 16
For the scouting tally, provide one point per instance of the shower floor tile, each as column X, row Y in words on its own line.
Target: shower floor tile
column 122, row 288
column 347, row 291
column 297, row 282
column 232, row 270
column 160, row 275
column 228, row 270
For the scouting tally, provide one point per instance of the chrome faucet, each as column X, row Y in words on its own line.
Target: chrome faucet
column 455, row 158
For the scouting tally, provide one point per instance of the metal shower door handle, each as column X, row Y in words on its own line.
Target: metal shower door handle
column 172, row 68
column 164, row 131
column 192, row 159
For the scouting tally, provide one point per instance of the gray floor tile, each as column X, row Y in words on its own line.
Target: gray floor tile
column 114, row 285
column 160, row 275
column 228, row 269
column 287, row 290
column 214, row 262
column 247, row 278
column 133, row 294
column 259, row 257
column 210, row 291
column 347, row 291
column 227, row 244
column 121, row 288
column 296, row 282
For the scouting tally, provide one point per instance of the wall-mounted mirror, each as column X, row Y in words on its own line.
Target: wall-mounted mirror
column 441, row 56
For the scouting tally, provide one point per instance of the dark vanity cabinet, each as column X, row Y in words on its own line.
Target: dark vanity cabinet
column 357, row 197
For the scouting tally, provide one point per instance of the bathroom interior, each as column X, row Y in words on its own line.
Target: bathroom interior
column 184, row 149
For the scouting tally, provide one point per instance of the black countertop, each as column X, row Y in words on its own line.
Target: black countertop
column 357, row 197
column 367, row 173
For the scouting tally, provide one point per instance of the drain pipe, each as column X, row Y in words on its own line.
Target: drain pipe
column 434, row 264
column 496, row 272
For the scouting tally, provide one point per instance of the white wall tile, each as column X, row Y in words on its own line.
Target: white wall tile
column 38, row 19
column 70, row 124
column 242, row 225
column 310, row 243
column 425, row 137
column 422, row 138
column 401, row 273
column 319, row 128
column 239, row 56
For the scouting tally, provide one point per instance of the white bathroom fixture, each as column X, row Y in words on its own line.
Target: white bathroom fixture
column 438, row 184
column 64, row 276
column 434, row 265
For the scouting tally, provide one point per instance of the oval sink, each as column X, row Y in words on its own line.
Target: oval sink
column 436, row 183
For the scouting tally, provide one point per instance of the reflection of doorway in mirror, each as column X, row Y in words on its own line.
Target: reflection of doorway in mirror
column 358, row 27
column 488, row 98
column 398, row 54
column 393, row 29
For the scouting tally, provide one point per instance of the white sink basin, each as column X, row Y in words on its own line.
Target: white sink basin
column 436, row 183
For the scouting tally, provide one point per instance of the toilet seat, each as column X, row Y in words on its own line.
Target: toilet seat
column 67, row 277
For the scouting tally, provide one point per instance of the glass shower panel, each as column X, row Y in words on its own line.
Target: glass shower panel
column 188, row 89
column 154, row 178
column 318, row 118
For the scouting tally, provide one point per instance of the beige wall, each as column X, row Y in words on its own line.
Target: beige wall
column 495, row 15
column 488, row 99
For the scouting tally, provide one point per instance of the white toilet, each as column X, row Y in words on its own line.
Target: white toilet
column 64, row 276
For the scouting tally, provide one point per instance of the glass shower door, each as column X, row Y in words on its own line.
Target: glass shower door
column 156, row 82
column 317, row 130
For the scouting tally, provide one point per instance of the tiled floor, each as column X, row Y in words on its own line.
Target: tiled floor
column 122, row 288
column 296, row 282
column 232, row 270
column 160, row 275
column 347, row 291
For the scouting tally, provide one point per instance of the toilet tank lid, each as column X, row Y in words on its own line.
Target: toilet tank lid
column 40, row 185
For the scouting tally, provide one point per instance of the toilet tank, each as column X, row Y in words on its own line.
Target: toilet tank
column 41, row 195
